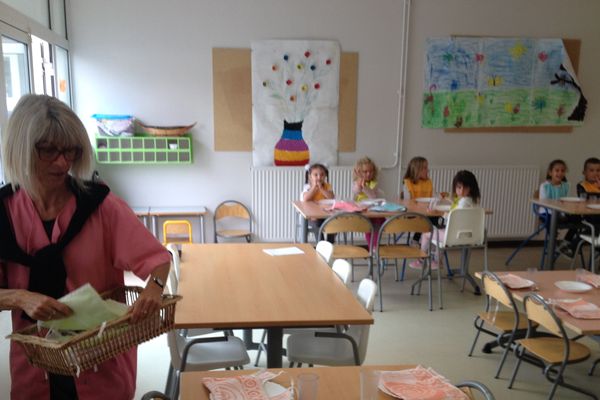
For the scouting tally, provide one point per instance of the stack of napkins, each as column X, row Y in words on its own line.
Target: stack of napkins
column 348, row 206
column 243, row 387
column 580, row 309
column 590, row 279
column 515, row 281
column 419, row 384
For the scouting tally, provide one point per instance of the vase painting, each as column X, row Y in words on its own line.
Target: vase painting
column 291, row 149
column 295, row 84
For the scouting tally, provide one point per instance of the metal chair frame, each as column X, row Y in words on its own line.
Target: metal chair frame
column 235, row 209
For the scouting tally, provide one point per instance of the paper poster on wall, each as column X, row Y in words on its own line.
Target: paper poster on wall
column 295, row 97
column 493, row 82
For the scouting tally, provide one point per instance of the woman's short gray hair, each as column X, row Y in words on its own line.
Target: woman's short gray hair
column 41, row 118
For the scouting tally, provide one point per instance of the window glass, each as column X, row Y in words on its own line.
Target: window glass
column 35, row 9
column 16, row 71
column 57, row 17
column 61, row 65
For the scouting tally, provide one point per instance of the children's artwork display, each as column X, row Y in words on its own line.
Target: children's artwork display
column 500, row 82
column 295, row 97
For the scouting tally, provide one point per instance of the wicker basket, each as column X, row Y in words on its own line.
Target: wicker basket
column 86, row 350
column 165, row 130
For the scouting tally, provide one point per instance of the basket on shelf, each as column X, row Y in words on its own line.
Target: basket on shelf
column 92, row 347
column 165, row 130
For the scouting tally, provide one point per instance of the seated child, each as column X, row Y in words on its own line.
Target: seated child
column 465, row 193
column 416, row 180
column 317, row 188
column 365, row 187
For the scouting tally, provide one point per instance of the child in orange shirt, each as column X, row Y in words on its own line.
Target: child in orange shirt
column 416, row 180
column 317, row 188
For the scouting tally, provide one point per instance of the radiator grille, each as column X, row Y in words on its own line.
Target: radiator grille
column 505, row 190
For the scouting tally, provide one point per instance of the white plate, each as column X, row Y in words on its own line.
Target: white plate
column 371, row 202
column 573, row 286
column 442, row 207
column 572, row 199
column 424, row 199
column 274, row 389
column 594, row 206
column 326, row 202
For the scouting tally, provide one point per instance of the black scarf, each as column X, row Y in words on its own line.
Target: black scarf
column 48, row 274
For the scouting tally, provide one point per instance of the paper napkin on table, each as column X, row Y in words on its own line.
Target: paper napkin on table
column 348, row 206
column 580, row 309
column 283, row 251
column 243, row 387
column 388, row 207
column 514, row 281
column 591, row 279
column 419, row 384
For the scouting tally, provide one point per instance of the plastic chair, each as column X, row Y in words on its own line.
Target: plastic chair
column 478, row 386
column 465, row 230
column 405, row 223
column 230, row 221
column 344, row 224
column 555, row 352
column 342, row 269
column 593, row 241
column 507, row 323
column 177, row 231
column 345, row 347
column 325, row 250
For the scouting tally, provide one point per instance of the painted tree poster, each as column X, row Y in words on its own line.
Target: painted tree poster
column 500, row 82
column 295, row 97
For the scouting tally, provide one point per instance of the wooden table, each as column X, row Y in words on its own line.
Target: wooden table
column 567, row 207
column 544, row 281
column 237, row 285
column 334, row 382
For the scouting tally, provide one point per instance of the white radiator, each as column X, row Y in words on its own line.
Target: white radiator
column 505, row 190
column 274, row 189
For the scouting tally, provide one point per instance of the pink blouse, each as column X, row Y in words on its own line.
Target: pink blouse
column 111, row 241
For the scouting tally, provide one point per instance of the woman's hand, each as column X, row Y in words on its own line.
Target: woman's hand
column 150, row 299
column 41, row 307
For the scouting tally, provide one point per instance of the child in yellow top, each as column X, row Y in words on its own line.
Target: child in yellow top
column 365, row 187
column 589, row 187
column 365, row 180
column 317, row 188
column 416, row 180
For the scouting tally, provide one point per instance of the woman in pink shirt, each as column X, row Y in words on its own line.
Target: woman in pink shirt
column 58, row 232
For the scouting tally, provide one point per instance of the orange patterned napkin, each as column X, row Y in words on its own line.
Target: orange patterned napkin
column 580, row 309
column 243, row 387
column 591, row 279
column 515, row 282
column 419, row 384
column 348, row 206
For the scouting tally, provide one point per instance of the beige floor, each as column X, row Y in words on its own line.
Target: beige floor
column 406, row 333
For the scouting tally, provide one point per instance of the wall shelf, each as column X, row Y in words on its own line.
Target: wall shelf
column 143, row 150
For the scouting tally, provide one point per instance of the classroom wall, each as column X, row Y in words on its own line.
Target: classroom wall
column 152, row 59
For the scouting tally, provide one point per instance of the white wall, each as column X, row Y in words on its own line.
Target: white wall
column 152, row 59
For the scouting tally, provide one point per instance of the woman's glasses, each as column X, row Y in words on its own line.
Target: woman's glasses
column 50, row 153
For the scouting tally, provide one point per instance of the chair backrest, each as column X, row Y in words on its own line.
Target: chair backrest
column 465, row 227
column 232, row 208
column 342, row 269
column 497, row 290
column 367, row 290
column 406, row 222
column 325, row 250
column 174, row 270
column 346, row 222
column 541, row 312
column 177, row 231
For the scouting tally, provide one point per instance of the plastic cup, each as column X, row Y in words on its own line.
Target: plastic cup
column 369, row 382
column 531, row 271
column 579, row 274
column 308, row 386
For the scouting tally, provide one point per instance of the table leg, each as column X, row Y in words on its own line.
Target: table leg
column 274, row 347
column 155, row 226
column 202, row 240
column 551, row 241
column 305, row 230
